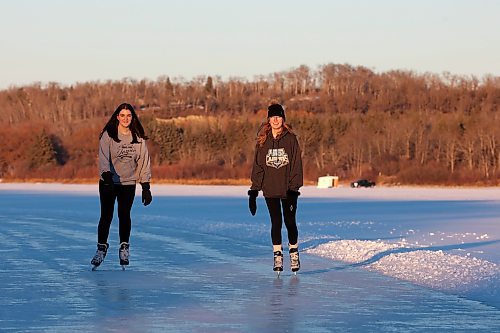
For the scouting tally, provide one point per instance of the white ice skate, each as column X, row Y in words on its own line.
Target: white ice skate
column 99, row 256
column 278, row 262
column 124, row 253
column 294, row 260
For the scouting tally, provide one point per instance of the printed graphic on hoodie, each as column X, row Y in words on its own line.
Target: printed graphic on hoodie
column 126, row 152
column 276, row 158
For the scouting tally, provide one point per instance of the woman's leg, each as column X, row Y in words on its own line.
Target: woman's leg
column 125, row 196
column 107, row 197
column 289, row 213
column 290, row 221
column 274, row 207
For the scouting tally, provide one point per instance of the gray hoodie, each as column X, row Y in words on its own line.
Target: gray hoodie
column 128, row 162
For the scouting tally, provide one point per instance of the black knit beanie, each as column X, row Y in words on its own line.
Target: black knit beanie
column 276, row 110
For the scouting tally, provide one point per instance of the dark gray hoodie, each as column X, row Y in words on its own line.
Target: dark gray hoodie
column 277, row 166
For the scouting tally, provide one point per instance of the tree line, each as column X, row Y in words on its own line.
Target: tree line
column 392, row 127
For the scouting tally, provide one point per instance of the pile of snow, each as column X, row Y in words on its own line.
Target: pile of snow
column 433, row 269
column 351, row 251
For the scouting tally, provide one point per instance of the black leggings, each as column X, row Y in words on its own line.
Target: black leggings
column 124, row 194
column 274, row 206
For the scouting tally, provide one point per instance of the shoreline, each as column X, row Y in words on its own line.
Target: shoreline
column 402, row 193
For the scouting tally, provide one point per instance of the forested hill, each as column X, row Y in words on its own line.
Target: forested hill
column 392, row 127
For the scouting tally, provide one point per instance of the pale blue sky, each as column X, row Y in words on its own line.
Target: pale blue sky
column 75, row 41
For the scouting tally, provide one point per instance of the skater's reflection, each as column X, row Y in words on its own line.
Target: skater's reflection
column 112, row 296
column 282, row 304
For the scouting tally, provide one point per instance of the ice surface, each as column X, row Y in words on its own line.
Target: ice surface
column 374, row 260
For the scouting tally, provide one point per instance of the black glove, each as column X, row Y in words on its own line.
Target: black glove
column 252, row 201
column 291, row 197
column 146, row 194
column 106, row 184
column 107, row 178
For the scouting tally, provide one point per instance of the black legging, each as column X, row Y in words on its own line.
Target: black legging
column 274, row 207
column 124, row 194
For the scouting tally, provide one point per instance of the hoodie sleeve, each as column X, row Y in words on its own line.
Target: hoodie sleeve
column 144, row 164
column 296, row 173
column 257, row 172
column 104, row 153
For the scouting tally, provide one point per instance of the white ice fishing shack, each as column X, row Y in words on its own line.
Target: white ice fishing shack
column 328, row 181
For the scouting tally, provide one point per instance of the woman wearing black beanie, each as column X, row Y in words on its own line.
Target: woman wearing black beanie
column 277, row 171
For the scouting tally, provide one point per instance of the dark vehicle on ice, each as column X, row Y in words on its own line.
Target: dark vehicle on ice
column 362, row 183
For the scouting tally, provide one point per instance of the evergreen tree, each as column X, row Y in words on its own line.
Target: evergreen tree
column 42, row 153
column 3, row 166
column 169, row 138
column 209, row 85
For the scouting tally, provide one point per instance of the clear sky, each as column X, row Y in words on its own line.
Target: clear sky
column 69, row 41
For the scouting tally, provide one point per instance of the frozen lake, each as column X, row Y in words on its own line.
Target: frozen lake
column 373, row 260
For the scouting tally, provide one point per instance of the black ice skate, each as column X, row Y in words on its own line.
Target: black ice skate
column 294, row 260
column 100, row 254
column 278, row 262
column 124, row 254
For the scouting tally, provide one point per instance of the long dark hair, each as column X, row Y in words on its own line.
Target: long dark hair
column 265, row 129
column 136, row 128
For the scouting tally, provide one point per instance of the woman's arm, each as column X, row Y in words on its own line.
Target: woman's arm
column 144, row 164
column 296, row 173
column 257, row 172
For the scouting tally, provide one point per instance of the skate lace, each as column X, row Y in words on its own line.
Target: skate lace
column 294, row 259
column 278, row 260
column 124, row 252
column 99, row 256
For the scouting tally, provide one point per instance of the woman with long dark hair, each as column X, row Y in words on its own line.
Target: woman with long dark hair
column 277, row 171
column 123, row 162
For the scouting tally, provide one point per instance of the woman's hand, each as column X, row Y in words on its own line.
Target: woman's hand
column 252, row 201
column 291, row 197
column 146, row 194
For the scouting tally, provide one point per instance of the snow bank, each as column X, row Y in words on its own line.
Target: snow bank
column 433, row 269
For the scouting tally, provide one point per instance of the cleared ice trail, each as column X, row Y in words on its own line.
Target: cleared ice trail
column 205, row 269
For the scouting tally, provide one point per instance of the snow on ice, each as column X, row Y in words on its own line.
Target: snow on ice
column 434, row 269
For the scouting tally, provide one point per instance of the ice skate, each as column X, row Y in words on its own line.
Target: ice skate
column 278, row 262
column 124, row 254
column 99, row 256
column 294, row 260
